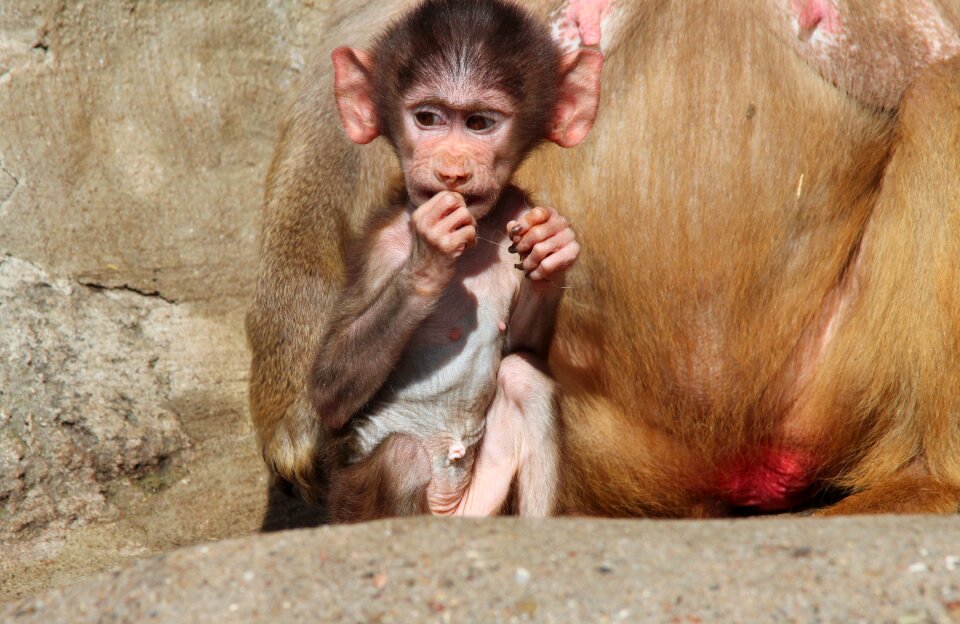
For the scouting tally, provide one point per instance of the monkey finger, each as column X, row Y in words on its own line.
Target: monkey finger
column 541, row 232
column 457, row 219
column 516, row 229
column 467, row 235
column 470, row 235
column 543, row 249
column 538, row 214
column 441, row 205
column 557, row 262
column 587, row 16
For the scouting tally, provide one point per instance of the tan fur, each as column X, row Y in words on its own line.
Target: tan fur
column 727, row 198
column 309, row 213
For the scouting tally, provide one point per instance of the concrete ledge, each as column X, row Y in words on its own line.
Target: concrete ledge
column 892, row 569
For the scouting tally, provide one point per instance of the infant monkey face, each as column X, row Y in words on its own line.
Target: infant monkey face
column 457, row 139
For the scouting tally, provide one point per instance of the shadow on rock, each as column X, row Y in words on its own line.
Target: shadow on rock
column 287, row 510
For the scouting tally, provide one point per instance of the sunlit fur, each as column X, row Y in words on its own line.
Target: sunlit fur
column 688, row 339
column 727, row 198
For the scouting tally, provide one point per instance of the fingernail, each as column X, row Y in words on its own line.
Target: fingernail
column 516, row 229
column 512, row 249
column 518, row 266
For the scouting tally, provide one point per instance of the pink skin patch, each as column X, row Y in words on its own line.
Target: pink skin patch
column 579, row 24
column 773, row 480
column 455, row 333
column 457, row 451
column 872, row 54
column 814, row 14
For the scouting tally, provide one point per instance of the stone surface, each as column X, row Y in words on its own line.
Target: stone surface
column 138, row 135
column 903, row 570
column 120, row 415
column 134, row 139
column 83, row 397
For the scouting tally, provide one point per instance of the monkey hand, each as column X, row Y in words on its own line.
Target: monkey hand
column 443, row 228
column 546, row 243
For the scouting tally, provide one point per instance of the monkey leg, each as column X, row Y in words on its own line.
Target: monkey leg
column 889, row 386
column 519, row 441
column 905, row 495
column 391, row 481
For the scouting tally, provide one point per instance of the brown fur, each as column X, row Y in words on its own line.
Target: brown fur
column 425, row 47
column 375, row 489
column 728, row 198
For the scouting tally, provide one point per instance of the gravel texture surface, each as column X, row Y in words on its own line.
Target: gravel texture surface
column 881, row 569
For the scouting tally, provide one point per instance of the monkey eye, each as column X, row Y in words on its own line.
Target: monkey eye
column 480, row 123
column 427, row 119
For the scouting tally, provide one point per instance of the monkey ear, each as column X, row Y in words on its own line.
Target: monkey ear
column 578, row 99
column 353, row 88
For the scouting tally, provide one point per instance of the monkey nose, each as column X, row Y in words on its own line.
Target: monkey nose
column 452, row 179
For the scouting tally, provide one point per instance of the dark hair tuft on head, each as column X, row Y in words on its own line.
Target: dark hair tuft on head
column 497, row 43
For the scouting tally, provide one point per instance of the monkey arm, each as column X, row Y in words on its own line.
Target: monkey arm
column 373, row 323
column 406, row 264
column 534, row 316
column 548, row 247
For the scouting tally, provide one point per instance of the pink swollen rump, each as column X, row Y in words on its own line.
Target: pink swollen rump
column 773, row 480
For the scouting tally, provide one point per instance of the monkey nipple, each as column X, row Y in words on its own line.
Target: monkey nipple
column 502, row 326
column 457, row 451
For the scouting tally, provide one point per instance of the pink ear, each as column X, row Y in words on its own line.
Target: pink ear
column 354, row 92
column 578, row 99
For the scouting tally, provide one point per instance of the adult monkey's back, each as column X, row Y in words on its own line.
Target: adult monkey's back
column 768, row 297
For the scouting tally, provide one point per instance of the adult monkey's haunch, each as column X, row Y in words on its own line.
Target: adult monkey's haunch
column 411, row 371
column 769, row 305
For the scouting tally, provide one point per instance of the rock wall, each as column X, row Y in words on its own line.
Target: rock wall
column 134, row 141
column 134, row 136
column 84, row 396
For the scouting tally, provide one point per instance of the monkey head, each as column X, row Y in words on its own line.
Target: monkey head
column 463, row 90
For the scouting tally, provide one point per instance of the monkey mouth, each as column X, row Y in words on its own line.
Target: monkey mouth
column 470, row 199
column 473, row 199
